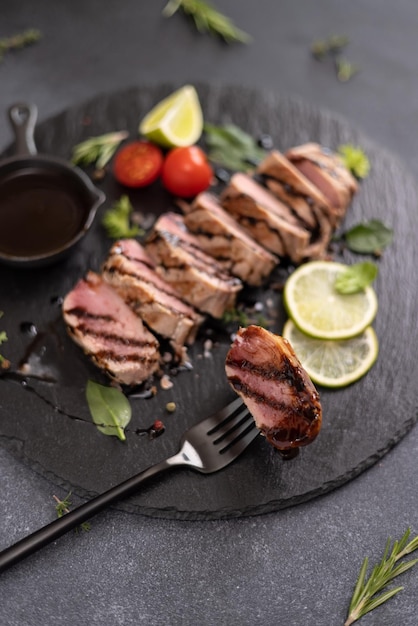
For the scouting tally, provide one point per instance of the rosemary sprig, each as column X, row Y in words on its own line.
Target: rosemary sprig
column 207, row 19
column 98, row 150
column 62, row 508
column 19, row 41
column 365, row 597
column 116, row 220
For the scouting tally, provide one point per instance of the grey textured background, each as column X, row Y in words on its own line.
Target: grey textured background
column 295, row 567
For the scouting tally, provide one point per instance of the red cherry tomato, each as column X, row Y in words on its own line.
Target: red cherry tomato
column 186, row 172
column 138, row 164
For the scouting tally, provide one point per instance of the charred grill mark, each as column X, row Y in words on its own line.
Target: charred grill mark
column 81, row 313
column 287, row 372
column 109, row 355
column 200, row 232
column 125, row 341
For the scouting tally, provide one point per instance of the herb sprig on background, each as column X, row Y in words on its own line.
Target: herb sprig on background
column 19, row 41
column 232, row 147
column 62, row 507
column 365, row 597
column 207, row 19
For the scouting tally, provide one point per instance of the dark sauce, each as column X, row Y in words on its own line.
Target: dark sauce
column 39, row 212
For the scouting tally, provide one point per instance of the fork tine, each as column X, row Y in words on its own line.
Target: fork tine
column 223, row 417
column 228, row 426
column 241, row 441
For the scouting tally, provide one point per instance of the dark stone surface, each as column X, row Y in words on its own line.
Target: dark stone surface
column 297, row 566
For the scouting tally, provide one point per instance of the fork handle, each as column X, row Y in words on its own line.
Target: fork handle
column 74, row 518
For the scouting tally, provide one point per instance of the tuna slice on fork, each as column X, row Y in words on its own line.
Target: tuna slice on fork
column 100, row 322
column 197, row 277
column 132, row 273
column 263, row 369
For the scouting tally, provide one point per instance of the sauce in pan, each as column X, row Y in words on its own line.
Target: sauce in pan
column 40, row 212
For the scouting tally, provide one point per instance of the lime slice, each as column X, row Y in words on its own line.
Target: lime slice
column 319, row 310
column 334, row 363
column 176, row 121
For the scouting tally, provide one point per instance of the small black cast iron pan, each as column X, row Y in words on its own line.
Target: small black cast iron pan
column 46, row 204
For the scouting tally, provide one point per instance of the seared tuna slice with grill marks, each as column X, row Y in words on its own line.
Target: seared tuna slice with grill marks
column 197, row 277
column 270, row 222
column 327, row 171
column 220, row 236
column 110, row 333
column 131, row 272
column 263, row 369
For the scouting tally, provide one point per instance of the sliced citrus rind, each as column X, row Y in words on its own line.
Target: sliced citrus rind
column 176, row 121
column 333, row 363
column 319, row 311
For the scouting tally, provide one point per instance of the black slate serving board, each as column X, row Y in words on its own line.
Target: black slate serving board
column 48, row 423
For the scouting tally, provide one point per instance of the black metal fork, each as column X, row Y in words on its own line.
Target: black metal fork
column 207, row 447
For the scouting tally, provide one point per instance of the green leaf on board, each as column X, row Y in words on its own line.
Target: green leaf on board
column 369, row 237
column 355, row 160
column 109, row 408
column 356, row 277
column 117, row 220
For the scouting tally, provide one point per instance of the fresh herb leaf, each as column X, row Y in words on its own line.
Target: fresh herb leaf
column 355, row 160
column 369, row 237
column 116, row 220
column 231, row 147
column 63, row 506
column 356, row 277
column 365, row 598
column 207, row 19
column 345, row 69
column 98, row 150
column 109, row 408
column 19, row 41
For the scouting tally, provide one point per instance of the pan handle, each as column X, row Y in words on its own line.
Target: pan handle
column 23, row 119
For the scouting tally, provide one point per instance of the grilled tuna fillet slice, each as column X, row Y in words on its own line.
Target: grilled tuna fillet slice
column 270, row 222
column 287, row 183
column 109, row 332
column 327, row 171
column 264, row 370
column 197, row 277
column 220, row 236
column 131, row 272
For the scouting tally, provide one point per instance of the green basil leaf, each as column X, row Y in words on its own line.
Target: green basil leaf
column 369, row 238
column 356, row 277
column 109, row 408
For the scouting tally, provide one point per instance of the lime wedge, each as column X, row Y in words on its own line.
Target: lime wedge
column 318, row 310
column 334, row 363
column 176, row 121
